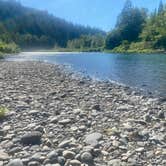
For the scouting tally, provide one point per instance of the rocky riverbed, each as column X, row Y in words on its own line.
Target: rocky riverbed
column 57, row 119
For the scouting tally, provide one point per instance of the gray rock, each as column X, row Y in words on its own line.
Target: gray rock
column 34, row 112
column 31, row 138
column 39, row 128
column 147, row 118
column 86, row 157
column 54, row 120
column 3, row 156
column 65, row 121
column 75, row 163
column 64, row 144
column 96, row 107
column 16, row 162
column 61, row 160
column 53, row 157
column 68, row 154
column 141, row 149
column 15, row 150
column 115, row 162
column 34, row 163
column 55, row 165
column 92, row 139
column 161, row 114
column 37, row 157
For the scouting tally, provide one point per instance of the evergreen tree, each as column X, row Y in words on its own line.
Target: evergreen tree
column 161, row 7
column 129, row 25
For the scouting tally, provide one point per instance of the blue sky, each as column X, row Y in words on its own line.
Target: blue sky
column 95, row 13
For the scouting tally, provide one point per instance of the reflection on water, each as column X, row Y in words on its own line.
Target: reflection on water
column 145, row 71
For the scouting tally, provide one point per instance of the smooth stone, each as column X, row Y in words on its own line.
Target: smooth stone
column 86, row 157
column 61, row 160
column 16, row 162
column 3, row 156
column 54, row 120
column 31, row 138
column 36, row 157
column 96, row 107
column 75, row 163
column 53, row 157
column 124, row 108
column 68, row 154
column 34, row 112
column 34, row 163
column 65, row 121
column 92, row 139
column 6, row 128
column 52, row 165
column 161, row 114
column 15, row 150
column 40, row 129
column 64, row 144
column 147, row 118
column 141, row 149
column 115, row 162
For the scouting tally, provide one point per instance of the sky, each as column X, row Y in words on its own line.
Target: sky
column 95, row 13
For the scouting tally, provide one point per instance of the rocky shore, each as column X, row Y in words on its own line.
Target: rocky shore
column 56, row 119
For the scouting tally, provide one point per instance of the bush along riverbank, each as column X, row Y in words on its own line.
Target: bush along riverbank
column 57, row 118
column 8, row 48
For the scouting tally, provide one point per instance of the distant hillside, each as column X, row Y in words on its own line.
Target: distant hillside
column 29, row 27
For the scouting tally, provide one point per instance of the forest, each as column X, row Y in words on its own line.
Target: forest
column 27, row 28
column 136, row 30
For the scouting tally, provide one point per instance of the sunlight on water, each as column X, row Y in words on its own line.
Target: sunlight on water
column 144, row 71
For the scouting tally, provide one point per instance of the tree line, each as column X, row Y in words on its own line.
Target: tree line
column 137, row 31
column 31, row 28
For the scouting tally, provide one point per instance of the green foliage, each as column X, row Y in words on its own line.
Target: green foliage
column 113, row 39
column 155, row 30
column 128, row 27
column 9, row 48
column 161, row 8
column 86, row 42
column 30, row 28
column 3, row 112
column 140, row 33
column 1, row 55
column 134, row 47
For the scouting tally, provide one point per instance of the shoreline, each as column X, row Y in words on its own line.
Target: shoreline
column 78, row 121
column 111, row 51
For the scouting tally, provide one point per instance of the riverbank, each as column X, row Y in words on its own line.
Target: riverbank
column 56, row 118
column 116, row 50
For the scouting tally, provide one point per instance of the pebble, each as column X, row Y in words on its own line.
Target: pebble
column 86, row 157
column 16, row 162
column 75, row 163
column 34, row 163
column 64, row 144
column 57, row 119
column 31, row 138
column 68, row 154
column 65, row 121
column 3, row 156
column 53, row 157
column 93, row 138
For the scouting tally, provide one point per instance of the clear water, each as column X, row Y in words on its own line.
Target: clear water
column 144, row 71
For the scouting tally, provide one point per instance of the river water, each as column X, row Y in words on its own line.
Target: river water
column 143, row 71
